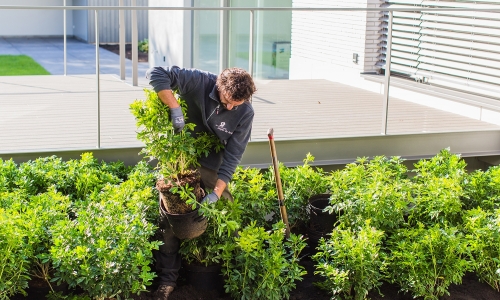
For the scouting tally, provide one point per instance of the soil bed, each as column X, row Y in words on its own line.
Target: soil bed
column 142, row 56
column 470, row 289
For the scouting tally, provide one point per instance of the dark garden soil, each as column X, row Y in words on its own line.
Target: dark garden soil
column 470, row 289
column 172, row 202
column 142, row 56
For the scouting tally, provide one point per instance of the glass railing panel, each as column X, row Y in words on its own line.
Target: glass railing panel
column 319, row 74
column 206, row 36
column 272, row 35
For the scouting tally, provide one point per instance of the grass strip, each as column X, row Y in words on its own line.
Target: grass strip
column 13, row 65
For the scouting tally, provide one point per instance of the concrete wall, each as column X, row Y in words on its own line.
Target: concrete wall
column 28, row 22
column 170, row 34
column 323, row 43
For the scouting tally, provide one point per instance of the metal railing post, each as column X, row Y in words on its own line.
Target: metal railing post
column 121, row 28
column 387, row 75
column 97, row 78
column 224, row 31
column 134, row 45
column 250, row 48
column 64, row 33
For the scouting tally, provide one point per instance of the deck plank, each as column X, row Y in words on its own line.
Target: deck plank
column 60, row 112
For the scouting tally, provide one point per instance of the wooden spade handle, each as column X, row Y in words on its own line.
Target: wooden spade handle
column 276, row 168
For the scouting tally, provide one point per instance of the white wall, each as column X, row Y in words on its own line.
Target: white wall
column 170, row 34
column 24, row 22
column 81, row 21
column 323, row 43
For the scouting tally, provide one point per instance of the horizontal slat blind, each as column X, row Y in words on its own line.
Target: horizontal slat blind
column 455, row 49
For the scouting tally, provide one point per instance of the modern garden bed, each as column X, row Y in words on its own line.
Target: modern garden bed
column 141, row 56
column 470, row 289
column 90, row 224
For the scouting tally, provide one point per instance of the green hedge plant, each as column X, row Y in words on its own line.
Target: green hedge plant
column 351, row 262
column 482, row 189
column 299, row 184
column 42, row 212
column 377, row 190
column 261, row 264
column 224, row 219
column 8, row 175
column 106, row 250
column 176, row 154
column 35, row 215
column 438, row 190
column 76, row 178
column 15, row 254
column 425, row 261
column 255, row 191
column 483, row 234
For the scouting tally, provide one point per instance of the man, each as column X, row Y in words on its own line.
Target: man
column 218, row 105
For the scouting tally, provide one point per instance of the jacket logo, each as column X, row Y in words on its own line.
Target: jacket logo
column 222, row 128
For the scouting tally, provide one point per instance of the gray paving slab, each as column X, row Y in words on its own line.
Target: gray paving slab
column 80, row 56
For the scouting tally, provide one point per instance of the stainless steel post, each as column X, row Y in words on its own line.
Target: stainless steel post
column 134, row 45
column 223, row 36
column 64, row 34
column 387, row 75
column 250, row 48
column 121, row 25
column 97, row 77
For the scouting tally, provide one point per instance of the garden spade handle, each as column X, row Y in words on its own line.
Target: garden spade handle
column 276, row 168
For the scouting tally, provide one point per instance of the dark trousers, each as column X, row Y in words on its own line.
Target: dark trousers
column 167, row 258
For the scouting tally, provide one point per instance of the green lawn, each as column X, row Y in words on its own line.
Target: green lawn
column 12, row 65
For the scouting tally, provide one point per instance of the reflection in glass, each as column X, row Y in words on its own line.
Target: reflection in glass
column 206, row 36
column 272, row 35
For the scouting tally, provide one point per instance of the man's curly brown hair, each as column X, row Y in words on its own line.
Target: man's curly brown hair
column 236, row 83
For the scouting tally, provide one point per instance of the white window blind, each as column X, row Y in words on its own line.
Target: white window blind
column 454, row 49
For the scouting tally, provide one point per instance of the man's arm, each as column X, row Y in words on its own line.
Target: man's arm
column 220, row 186
column 168, row 98
column 176, row 115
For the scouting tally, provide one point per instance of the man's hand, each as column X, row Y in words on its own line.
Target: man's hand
column 210, row 198
column 177, row 119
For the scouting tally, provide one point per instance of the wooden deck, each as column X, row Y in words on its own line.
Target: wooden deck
column 57, row 113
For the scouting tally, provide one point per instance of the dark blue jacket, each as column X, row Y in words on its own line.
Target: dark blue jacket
column 232, row 127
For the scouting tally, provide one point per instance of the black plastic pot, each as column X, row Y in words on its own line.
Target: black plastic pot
column 313, row 238
column 185, row 226
column 205, row 278
column 321, row 221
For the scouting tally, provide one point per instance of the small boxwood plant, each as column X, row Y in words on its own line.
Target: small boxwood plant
column 482, row 189
column 106, row 250
column 425, row 261
column 224, row 219
column 376, row 189
column 299, row 184
column 261, row 264
column 42, row 212
column 176, row 154
column 15, row 253
column 351, row 262
column 8, row 175
column 483, row 234
column 76, row 178
column 254, row 189
column 438, row 190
